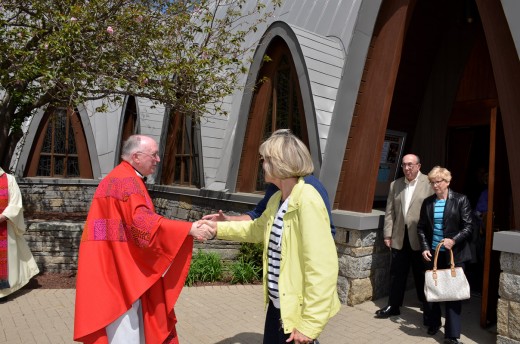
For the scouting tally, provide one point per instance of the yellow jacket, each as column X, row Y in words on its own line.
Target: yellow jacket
column 309, row 261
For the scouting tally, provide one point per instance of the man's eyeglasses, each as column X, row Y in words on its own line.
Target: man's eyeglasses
column 153, row 156
column 437, row 182
column 409, row 164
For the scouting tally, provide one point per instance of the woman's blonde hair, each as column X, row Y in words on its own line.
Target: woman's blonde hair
column 439, row 172
column 285, row 155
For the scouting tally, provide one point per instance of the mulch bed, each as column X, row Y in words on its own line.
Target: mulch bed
column 50, row 280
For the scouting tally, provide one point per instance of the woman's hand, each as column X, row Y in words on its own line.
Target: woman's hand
column 449, row 243
column 299, row 337
column 427, row 255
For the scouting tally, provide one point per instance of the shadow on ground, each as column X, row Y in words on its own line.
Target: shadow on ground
column 410, row 321
column 243, row 338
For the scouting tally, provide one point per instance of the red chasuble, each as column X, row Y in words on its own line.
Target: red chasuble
column 125, row 250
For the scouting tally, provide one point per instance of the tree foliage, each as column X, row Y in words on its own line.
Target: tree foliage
column 184, row 54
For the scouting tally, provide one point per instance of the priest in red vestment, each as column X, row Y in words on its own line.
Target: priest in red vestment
column 132, row 262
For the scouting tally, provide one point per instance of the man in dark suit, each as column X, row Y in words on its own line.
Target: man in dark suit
column 403, row 209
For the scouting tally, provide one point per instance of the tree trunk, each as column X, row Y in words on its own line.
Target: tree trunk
column 7, row 144
column 5, row 157
column 10, row 147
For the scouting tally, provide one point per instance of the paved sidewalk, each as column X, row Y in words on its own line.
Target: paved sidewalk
column 229, row 315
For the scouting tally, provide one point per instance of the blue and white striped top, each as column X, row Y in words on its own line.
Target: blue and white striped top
column 438, row 215
column 274, row 251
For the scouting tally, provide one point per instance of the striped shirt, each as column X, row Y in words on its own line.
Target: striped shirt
column 274, row 252
column 438, row 215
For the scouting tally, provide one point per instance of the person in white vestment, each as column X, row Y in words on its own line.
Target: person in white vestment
column 20, row 266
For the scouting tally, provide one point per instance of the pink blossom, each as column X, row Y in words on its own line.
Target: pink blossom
column 139, row 19
column 73, row 19
column 110, row 30
column 45, row 46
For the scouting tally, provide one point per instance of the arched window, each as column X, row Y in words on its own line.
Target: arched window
column 181, row 160
column 60, row 149
column 276, row 104
column 130, row 119
column 130, row 124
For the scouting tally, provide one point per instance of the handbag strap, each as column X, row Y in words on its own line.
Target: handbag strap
column 452, row 260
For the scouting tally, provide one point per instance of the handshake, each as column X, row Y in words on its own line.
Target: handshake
column 203, row 230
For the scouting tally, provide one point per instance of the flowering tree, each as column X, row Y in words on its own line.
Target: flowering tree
column 186, row 54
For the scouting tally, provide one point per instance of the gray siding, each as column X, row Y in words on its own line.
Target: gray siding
column 512, row 12
column 323, row 59
column 104, row 126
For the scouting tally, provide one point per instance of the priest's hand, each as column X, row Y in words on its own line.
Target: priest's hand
column 202, row 231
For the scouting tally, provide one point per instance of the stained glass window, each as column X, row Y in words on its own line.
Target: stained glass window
column 56, row 153
column 181, row 158
column 278, row 94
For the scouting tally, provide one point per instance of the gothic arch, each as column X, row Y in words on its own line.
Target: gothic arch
column 283, row 34
column 129, row 124
column 87, row 153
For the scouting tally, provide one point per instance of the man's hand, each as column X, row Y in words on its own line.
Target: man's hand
column 299, row 338
column 427, row 255
column 388, row 242
column 203, row 231
column 220, row 216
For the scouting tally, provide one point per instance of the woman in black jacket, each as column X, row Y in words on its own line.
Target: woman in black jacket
column 444, row 215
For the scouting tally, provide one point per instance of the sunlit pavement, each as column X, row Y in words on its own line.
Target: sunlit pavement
column 230, row 314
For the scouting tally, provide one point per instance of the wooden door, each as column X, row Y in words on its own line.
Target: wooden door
column 475, row 140
column 500, row 217
column 488, row 311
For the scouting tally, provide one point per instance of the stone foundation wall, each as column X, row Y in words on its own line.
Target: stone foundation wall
column 508, row 310
column 363, row 265
column 61, row 201
column 54, row 244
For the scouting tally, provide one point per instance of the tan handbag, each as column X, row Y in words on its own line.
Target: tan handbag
column 445, row 284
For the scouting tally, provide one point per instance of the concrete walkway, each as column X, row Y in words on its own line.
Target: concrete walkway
column 229, row 315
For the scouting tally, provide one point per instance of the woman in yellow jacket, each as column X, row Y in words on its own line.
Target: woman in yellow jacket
column 300, row 262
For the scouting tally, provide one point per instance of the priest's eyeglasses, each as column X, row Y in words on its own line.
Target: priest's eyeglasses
column 153, row 156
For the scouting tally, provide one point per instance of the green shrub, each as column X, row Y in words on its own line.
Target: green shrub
column 244, row 272
column 248, row 264
column 205, row 267
column 251, row 253
column 208, row 266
